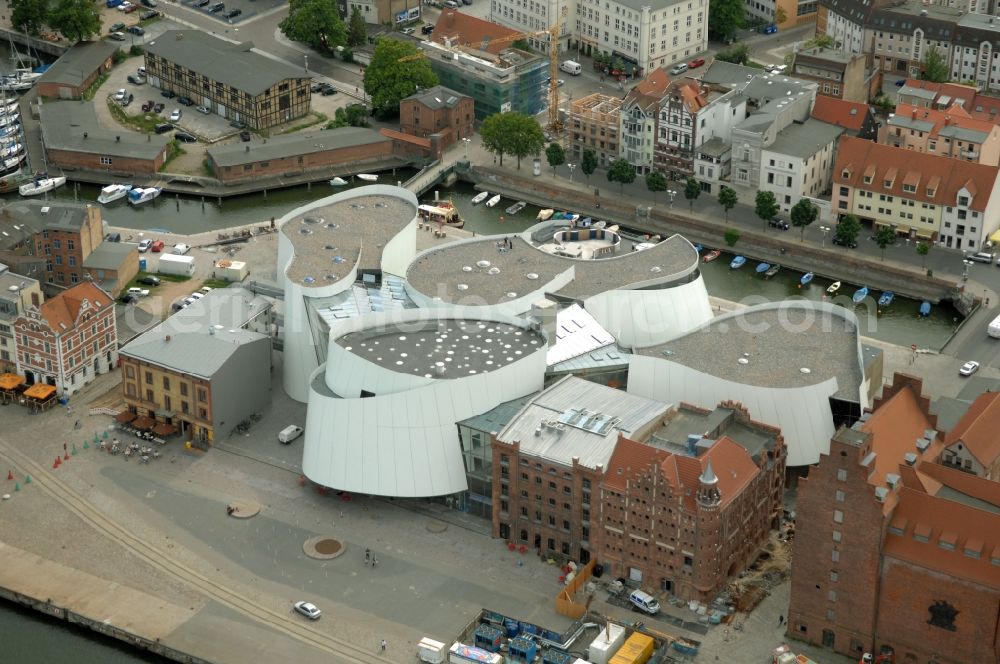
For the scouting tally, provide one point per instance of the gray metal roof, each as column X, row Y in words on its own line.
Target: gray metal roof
column 908, row 122
column 222, row 61
column 673, row 434
column 607, row 358
column 293, row 145
column 109, row 255
column 805, row 139
column 715, row 147
column 32, row 216
column 73, row 126
column 921, row 93
column 437, row 97
column 540, row 433
column 200, row 339
column 963, row 134
column 639, row 5
column 75, row 65
column 949, row 411
column 492, row 421
column 976, row 385
column 8, row 279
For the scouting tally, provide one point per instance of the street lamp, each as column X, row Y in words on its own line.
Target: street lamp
column 965, row 268
column 571, row 167
column 671, row 193
column 825, row 229
column 305, row 57
column 466, row 141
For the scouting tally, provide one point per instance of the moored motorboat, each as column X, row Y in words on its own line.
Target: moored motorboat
column 11, row 182
column 773, row 270
column 11, row 150
column 13, row 164
column 113, row 192
column 737, row 262
column 493, row 201
column 833, row 288
column 543, row 215
column 140, row 195
column 41, row 185
column 517, row 207
column 806, row 279
column 886, row 298
column 441, row 212
column 480, row 197
column 338, row 182
column 711, row 256
column 925, row 308
column 763, row 267
column 860, row 294
column 367, row 177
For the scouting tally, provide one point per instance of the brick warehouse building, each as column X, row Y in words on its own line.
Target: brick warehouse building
column 670, row 511
column 893, row 548
column 68, row 340
column 440, row 112
column 228, row 79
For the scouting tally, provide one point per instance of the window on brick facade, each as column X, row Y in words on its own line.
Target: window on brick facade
column 831, row 615
column 552, row 521
column 838, row 516
column 524, row 512
column 836, row 536
column 842, row 474
column 835, row 556
column 565, row 524
column 149, row 377
column 834, row 576
column 831, row 595
column 840, row 496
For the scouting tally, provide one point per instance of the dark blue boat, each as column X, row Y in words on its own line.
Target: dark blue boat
column 806, row 278
column 886, row 298
column 925, row 308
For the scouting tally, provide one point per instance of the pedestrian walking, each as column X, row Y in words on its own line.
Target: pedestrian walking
column 368, row 556
column 382, row 645
column 374, row 560
column 781, row 620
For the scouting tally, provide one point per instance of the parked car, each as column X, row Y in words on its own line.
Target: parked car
column 217, row 7
column 138, row 292
column 185, row 101
column 169, row 94
column 408, row 31
column 202, row 3
column 202, row 109
column 969, row 368
column 149, row 3
column 245, row 136
column 136, row 80
column 113, row 237
column 117, row 36
column 427, row 29
column 185, row 137
column 195, row 296
column 308, row 609
column 124, row 6
column 157, row 248
column 137, row 31
column 147, row 106
column 316, row 86
column 236, row 124
column 768, row 29
column 697, row 62
column 180, row 249
column 175, row 115
column 128, row 299
column 158, row 108
column 559, row 82
column 128, row 100
column 466, row 2
column 778, row 223
column 454, row 4
column 130, row 9
column 328, row 90
column 900, row 82
column 149, row 280
column 121, row 94
column 145, row 16
column 163, row 128
column 679, row 68
column 113, row 3
column 233, row 13
column 841, row 242
column 117, row 27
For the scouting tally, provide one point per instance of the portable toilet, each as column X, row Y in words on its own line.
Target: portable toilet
column 523, row 650
column 552, row 656
column 142, row 264
column 488, row 638
column 606, row 643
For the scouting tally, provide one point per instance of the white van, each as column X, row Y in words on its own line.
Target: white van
column 571, row 67
column 289, row 433
column 644, row 602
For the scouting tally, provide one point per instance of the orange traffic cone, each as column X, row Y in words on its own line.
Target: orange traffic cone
column 10, row 475
column 57, row 462
column 66, row 456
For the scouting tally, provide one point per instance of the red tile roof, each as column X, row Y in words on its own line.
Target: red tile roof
column 896, row 425
column 62, row 311
column 406, row 138
column 977, row 105
column 648, row 92
column 857, row 158
column 458, row 29
column 979, row 429
column 847, row 114
column 689, row 91
column 954, row 117
column 628, row 460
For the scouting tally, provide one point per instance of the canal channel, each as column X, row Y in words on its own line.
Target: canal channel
column 899, row 323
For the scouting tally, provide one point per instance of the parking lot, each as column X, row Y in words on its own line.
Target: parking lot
column 247, row 9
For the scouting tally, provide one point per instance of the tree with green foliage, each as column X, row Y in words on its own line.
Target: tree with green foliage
column 29, row 15
column 396, row 71
column 656, row 182
column 692, row 190
column 621, row 172
column 588, row 164
column 848, row 229
column 766, row 206
column 884, row 236
column 555, row 155
column 316, row 23
column 923, row 248
column 780, row 16
column 737, row 54
column 934, row 66
column 357, row 29
column 803, row 213
column 76, row 20
column 725, row 18
column 819, row 41
column 491, row 133
column 727, row 199
column 352, row 115
column 512, row 133
column 732, row 236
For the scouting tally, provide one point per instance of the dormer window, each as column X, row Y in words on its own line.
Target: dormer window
column 931, row 191
column 846, row 174
column 909, row 189
column 963, row 201
column 868, row 179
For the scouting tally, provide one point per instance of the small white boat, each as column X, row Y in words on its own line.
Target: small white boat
column 544, row 215
column 517, row 207
column 11, row 150
column 24, row 74
column 113, row 192
column 367, row 177
column 39, row 186
column 833, row 288
column 14, row 162
column 12, row 85
column 480, row 197
column 338, row 182
column 9, row 107
column 9, row 119
column 140, row 195
column 493, row 201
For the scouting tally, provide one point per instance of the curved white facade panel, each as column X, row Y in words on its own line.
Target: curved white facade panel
column 640, row 318
column 370, row 429
column 803, row 413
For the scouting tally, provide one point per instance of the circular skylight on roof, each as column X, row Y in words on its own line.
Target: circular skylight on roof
column 531, row 275
column 655, row 269
column 331, row 277
column 743, row 360
column 462, row 287
column 308, row 280
column 466, row 268
column 305, row 231
column 493, row 270
column 338, row 259
column 483, row 263
column 313, row 220
column 511, row 294
column 332, row 226
column 805, row 370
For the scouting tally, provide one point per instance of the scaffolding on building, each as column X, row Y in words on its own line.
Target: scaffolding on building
column 588, row 113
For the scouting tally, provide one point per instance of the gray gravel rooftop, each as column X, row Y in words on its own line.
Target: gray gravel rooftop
column 329, row 241
column 491, row 277
column 780, row 343
column 449, row 348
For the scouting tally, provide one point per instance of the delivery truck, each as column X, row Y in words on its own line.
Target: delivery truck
column 174, row 264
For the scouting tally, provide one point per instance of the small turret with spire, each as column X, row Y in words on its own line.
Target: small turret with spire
column 708, row 492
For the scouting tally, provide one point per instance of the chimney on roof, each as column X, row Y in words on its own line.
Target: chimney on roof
column 910, row 458
column 947, row 120
column 167, row 338
column 914, row 114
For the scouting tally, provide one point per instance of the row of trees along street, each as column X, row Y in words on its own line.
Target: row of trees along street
column 73, row 19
